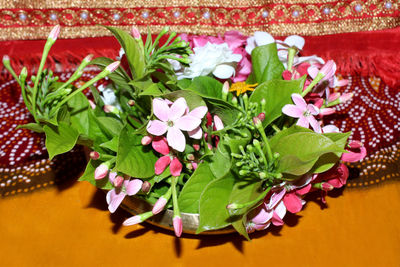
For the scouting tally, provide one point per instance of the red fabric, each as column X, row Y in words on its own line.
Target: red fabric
column 361, row 53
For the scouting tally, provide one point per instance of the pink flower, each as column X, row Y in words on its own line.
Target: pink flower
column 54, row 32
column 172, row 120
column 123, row 187
column 328, row 70
column 356, row 153
column 177, row 222
column 160, row 145
column 101, row 171
column 269, row 212
column 304, row 112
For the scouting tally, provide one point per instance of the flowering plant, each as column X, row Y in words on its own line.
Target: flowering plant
column 216, row 126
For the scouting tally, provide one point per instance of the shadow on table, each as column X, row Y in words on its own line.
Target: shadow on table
column 291, row 220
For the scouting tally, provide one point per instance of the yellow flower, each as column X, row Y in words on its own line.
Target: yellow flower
column 242, row 87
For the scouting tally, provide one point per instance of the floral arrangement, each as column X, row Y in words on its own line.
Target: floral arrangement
column 230, row 128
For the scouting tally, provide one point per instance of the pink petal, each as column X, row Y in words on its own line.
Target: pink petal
column 116, row 200
column 175, row 167
column 101, row 171
column 287, row 75
column 160, row 145
column 219, row 125
column 354, row 156
column 299, row 101
column 132, row 220
column 161, row 164
column 199, row 112
column 314, row 124
column 111, row 176
column 177, row 109
column 159, row 205
column 292, row 111
column 304, row 190
column 133, row 186
column 196, row 133
column 187, row 123
column 313, row 109
column 176, row 139
column 276, row 220
column 234, row 39
column 275, row 198
column 108, row 196
column 260, row 227
column 177, row 222
column 313, row 71
column 292, row 202
column 160, row 109
column 262, row 216
column 303, row 122
column 280, row 209
column 157, row 127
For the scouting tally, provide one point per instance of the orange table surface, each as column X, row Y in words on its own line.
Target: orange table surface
column 71, row 227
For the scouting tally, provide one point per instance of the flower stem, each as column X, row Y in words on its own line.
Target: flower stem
column 175, row 196
column 312, row 84
column 291, row 53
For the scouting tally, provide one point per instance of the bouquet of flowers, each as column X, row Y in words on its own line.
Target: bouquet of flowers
column 215, row 126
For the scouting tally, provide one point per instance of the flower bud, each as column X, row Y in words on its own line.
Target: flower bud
column 131, row 102
column 94, row 155
column 6, row 59
column 257, row 121
column 146, row 187
column 177, row 222
column 118, row 181
column 146, row 140
column 88, row 58
column 92, row 104
column 326, row 186
column 218, row 123
column 261, row 116
column 196, row 147
column 101, row 171
column 113, row 66
column 159, row 206
column 333, row 97
column 190, row 157
column 54, row 33
column 326, row 111
column 135, row 33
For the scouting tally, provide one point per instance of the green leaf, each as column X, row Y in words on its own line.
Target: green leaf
column 277, row 93
column 88, row 175
column 206, row 87
column 288, row 131
column 189, row 197
column 220, row 162
column 151, row 90
column 32, row 126
column 327, row 161
column 299, row 151
column 110, row 125
column 193, row 100
column 78, row 110
column 133, row 51
column 60, row 139
column 213, row 201
column 227, row 112
column 111, row 145
column 133, row 158
column 243, row 192
column 266, row 64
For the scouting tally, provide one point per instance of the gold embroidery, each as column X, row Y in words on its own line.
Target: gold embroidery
column 141, row 3
column 281, row 29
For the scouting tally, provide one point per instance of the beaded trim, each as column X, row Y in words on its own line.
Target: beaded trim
column 25, row 20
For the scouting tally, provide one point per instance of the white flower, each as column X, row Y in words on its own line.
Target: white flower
column 217, row 59
column 264, row 38
column 108, row 96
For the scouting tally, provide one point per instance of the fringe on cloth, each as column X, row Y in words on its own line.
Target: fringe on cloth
column 364, row 53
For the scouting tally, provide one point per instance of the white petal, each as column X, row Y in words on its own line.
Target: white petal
column 280, row 209
column 176, row 139
column 160, row 109
column 177, row 109
column 295, row 40
column 224, row 71
column 196, row 133
column 251, row 44
column 263, row 38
